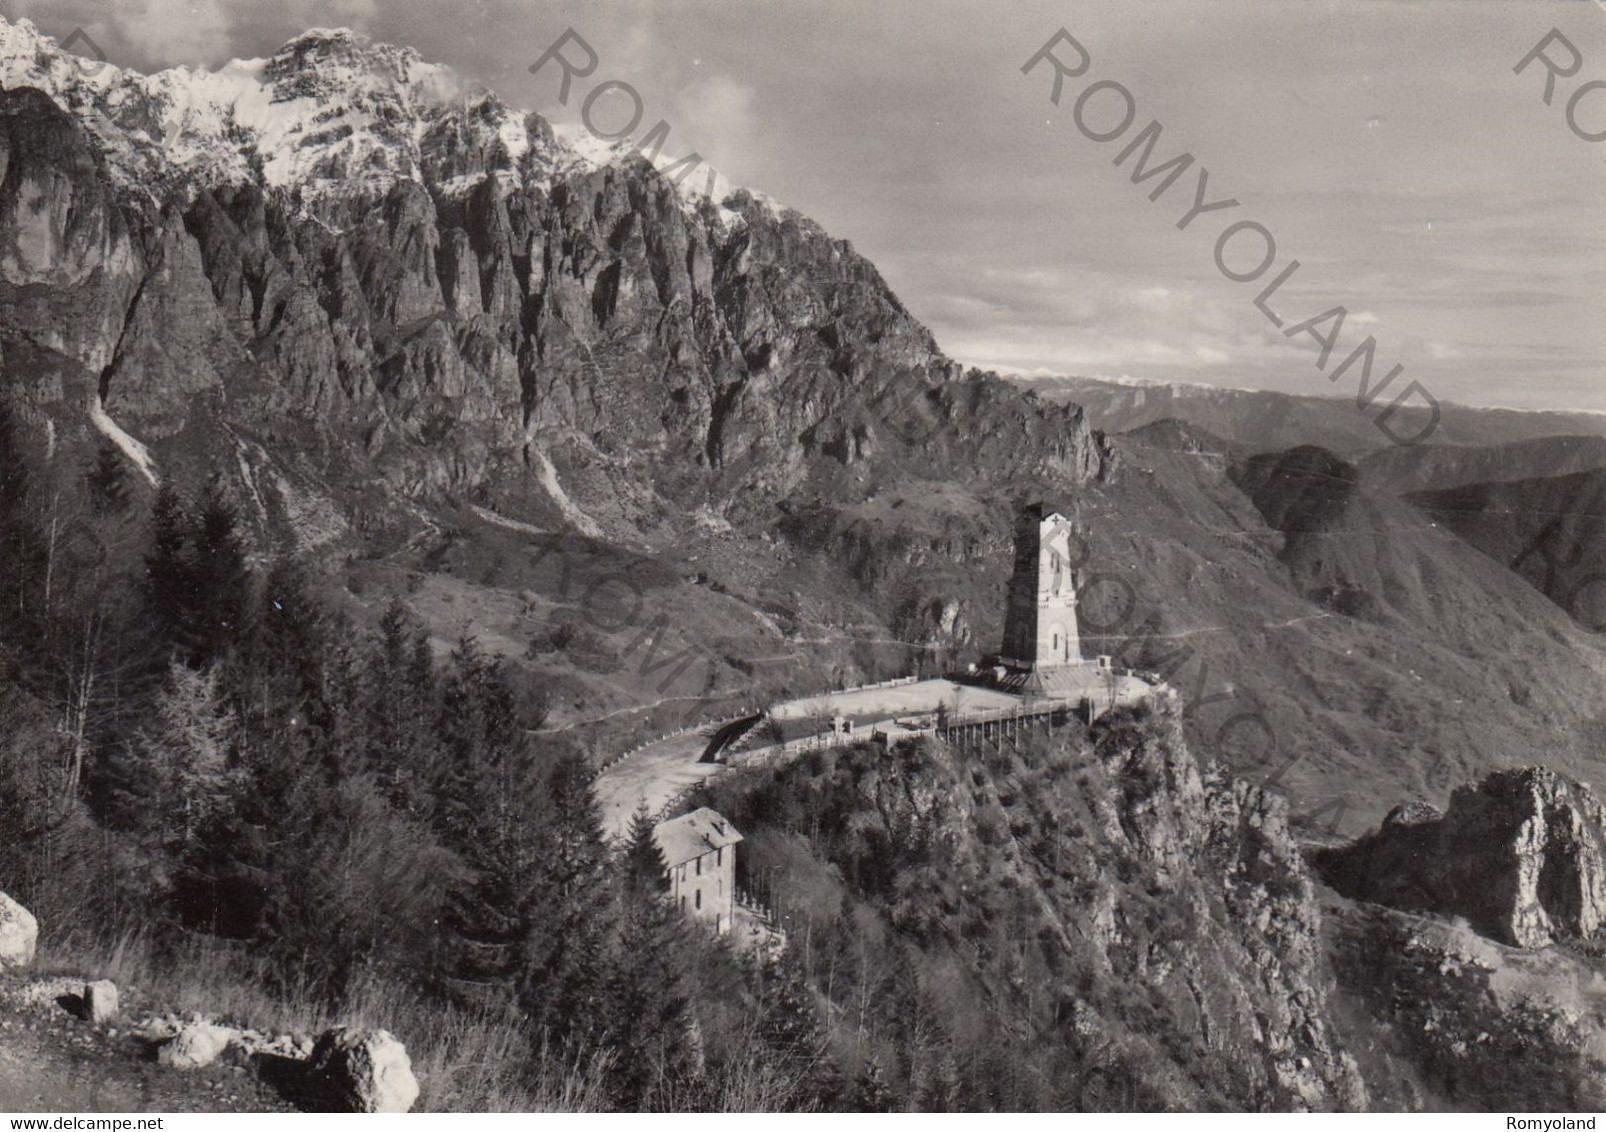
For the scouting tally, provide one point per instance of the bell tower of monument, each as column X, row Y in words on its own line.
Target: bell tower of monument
column 1040, row 619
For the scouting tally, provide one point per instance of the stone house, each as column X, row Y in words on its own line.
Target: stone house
column 699, row 851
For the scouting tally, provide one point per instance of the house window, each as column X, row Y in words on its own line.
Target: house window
column 719, row 855
column 699, row 866
column 683, row 903
column 698, row 899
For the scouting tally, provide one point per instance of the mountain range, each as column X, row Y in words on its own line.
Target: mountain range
column 417, row 329
column 445, row 351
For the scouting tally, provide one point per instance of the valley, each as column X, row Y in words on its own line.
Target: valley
column 397, row 499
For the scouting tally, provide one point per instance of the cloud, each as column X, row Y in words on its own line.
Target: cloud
column 718, row 112
column 359, row 15
column 192, row 32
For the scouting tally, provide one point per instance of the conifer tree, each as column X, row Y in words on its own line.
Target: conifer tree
column 183, row 791
column 477, row 728
column 401, row 748
column 652, row 1026
column 299, row 674
column 170, row 580
column 790, row 1026
column 107, row 479
column 495, row 908
column 196, row 730
column 645, row 871
column 490, row 814
column 563, row 982
column 222, row 605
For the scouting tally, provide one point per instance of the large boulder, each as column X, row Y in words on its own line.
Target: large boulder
column 19, row 934
column 100, row 1001
column 364, row 1070
column 195, row 1046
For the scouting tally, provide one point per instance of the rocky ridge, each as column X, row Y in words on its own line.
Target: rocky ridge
column 335, row 262
column 1101, row 893
column 1520, row 856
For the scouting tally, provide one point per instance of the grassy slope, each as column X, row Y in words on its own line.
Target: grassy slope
column 1389, row 658
column 1460, row 667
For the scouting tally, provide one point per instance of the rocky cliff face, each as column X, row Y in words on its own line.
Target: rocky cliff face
column 1475, row 954
column 1468, row 940
column 1147, row 929
column 1519, row 856
column 1220, row 847
column 338, row 250
column 1446, row 1019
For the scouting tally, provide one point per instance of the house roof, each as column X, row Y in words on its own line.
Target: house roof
column 691, row 835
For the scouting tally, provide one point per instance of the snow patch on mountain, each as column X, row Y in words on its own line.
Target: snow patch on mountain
column 136, row 452
column 328, row 117
column 581, row 522
column 503, row 521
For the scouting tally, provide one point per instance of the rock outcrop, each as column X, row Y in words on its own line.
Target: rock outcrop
column 1452, row 1020
column 1522, row 856
column 453, row 298
column 19, row 934
column 1222, row 848
column 100, row 1002
column 195, row 1046
column 1167, row 909
column 364, row 1070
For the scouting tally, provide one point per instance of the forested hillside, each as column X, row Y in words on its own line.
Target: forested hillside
column 200, row 759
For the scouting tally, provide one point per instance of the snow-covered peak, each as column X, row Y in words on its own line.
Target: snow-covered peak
column 695, row 185
column 30, row 58
column 314, row 39
column 328, row 116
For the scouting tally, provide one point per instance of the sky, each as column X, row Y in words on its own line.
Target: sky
column 1386, row 145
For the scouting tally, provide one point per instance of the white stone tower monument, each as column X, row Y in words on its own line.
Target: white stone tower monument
column 1040, row 620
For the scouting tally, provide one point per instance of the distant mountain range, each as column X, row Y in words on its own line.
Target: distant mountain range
column 1266, row 421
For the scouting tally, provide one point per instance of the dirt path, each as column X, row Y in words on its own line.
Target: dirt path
column 54, row 1064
